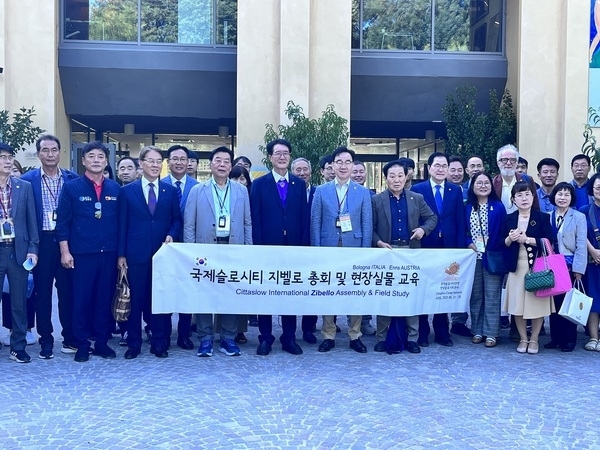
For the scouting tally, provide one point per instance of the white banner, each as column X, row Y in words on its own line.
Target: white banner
column 246, row 279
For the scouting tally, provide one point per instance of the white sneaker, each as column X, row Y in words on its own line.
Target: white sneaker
column 6, row 340
column 31, row 339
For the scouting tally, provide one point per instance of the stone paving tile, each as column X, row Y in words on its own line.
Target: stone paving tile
column 464, row 397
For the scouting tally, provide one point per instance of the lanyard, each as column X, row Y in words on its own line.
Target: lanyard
column 481, row 226
column 54, row 195
column 6, row 208
column 221, row 201
column 341, row 202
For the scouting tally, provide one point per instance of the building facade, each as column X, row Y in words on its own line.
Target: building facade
column 214, row 72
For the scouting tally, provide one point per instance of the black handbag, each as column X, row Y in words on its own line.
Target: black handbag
column 544, row 279
column 121, row 306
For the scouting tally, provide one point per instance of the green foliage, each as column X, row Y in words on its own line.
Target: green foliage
column 113, row 20
column 589, row 140
column 20, row 131
column 310, row 138
column 478, row 133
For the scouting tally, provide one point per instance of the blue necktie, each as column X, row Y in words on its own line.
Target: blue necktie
column 151, row 198
column 179, row 193
column 438, row 198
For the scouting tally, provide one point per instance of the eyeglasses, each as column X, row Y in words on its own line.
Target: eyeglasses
column 281, row 154
column 153, row 162
column 580, row 166
column 437, row 166
column 6, row 157
column 339, row 162
column 508, row 160
column 45, row 151
column 176, row 160
column 483, row 184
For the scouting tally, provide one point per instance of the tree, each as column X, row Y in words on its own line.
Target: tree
column 20, row 131
column 310, row 138
column 478, row 133
column 589, row 140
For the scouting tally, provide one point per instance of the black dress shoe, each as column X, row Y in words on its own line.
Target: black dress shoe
column 568, row 347
column 82, row 355
column 423, row 343
column 380, row 347
column 309, row 337
column 131, row 353
column 291, row 347
column 446, row 342
column 552, row 344
column 240, row 338
column 413, row 347
column 326, row 345
column 185, row 343
column 358, row 346
column 461, row 329
column 263, row 349
column 104, row 351
column 159, row 352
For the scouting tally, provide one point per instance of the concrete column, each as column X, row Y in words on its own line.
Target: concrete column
column 295, row 50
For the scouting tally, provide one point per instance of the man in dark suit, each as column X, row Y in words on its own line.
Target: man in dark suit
column 18, row 244
column 149, row 216
column 279, row 217
column 401, row 218
column 86, row 231
column 47, row 183
column 341, row 216
column 302, row 168
column 446, row 200
column 177, row 156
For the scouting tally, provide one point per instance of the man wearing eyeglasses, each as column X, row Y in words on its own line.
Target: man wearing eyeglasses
column 279, row 217
column 341, row 216
column 177, row 156
column 47, row 183
column 18, row 246
column 149, row 216
column 327, row 170
column 86, row 231
column 507, row 158
column 445, row 199
column 580, row 167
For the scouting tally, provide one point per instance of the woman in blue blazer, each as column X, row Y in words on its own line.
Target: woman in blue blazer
column 485, row 218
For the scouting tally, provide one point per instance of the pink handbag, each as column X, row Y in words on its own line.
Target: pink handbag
column 556, row 262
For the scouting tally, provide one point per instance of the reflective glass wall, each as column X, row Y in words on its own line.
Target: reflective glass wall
column 200, row 22
column 428, row 25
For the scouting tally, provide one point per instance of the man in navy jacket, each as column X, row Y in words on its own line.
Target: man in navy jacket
column 446, row 200
column 86, row 231
column 47, row 183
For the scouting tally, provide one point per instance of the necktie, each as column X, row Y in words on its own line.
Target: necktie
column 282, row 187
column 179, row 193
column 559, row 221
column 151, row 198
column 438, row 198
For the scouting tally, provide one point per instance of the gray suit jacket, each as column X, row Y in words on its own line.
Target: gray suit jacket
column 417, row 210
column 24, row 218
column 324, row 212
column 573, row 238
column 199, row 218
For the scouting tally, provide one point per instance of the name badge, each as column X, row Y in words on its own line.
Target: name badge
column 479, row 244
column 223, row 225
column 51, row 215
column 7, row 230
column 345, row 223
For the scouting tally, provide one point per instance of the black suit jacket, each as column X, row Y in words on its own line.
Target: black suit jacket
column 539, row 227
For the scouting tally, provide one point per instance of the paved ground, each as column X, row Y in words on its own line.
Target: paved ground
column 464, row 397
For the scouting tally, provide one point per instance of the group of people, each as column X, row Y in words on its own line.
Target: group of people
column 74, row 231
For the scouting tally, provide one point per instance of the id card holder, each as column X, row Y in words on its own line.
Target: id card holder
column 52, row 219
column 7, row 230
column 479, row 244
column 345, row 223
column 223, row 225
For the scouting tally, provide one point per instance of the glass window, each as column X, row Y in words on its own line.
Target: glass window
column 394, row 25
column 201, row 22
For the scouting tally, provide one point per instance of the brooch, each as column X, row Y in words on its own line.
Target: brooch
column 532, row 223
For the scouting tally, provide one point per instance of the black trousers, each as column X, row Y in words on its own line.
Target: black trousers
column 47, row 272
column 265, row 328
